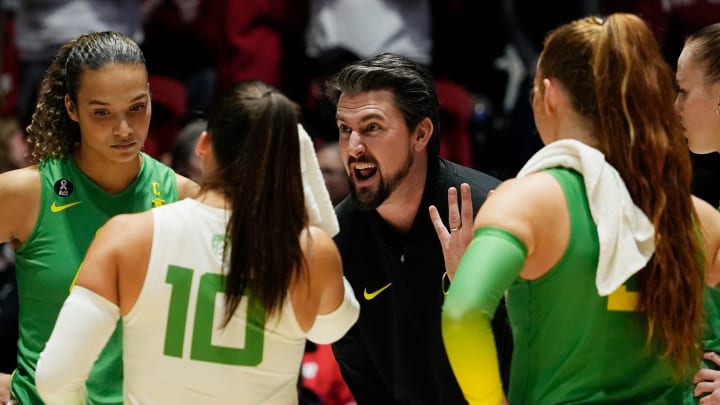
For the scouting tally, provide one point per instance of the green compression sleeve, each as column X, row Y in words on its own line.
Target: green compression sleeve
column 489, row 266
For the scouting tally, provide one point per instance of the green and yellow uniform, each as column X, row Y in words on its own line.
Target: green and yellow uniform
column 72, row 209
column 571, row 345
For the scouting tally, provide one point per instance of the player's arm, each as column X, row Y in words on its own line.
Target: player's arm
column 83, row 327
column 508, row 230
column 116, row 261
column 710, row 228
column 338, row 309
column 492, row 261
column 19, row 203
column 19, row 207
column 90, row 313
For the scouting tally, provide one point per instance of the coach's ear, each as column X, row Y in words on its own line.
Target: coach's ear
column 423, row 132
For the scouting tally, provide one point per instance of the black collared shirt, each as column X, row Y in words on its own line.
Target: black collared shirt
column 395, row 352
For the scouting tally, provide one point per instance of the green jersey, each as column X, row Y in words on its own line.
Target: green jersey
column 583, row 348
column 711, row 340
column 711, row 336
column 72, row 209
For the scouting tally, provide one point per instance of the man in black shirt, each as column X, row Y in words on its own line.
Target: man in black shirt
column 387, row 116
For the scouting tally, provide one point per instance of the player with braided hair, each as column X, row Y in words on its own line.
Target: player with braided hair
column 86, row 137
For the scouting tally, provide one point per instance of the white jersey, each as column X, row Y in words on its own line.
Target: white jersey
column 174, row 349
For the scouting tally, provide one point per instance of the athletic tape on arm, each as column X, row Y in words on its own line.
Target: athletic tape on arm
column 489, row 266
column 330, row 327
column 85, row 324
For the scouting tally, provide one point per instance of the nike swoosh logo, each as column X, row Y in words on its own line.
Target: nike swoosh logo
column 58, row 208
column 368, row 296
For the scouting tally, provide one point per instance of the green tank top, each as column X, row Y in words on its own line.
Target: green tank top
column 584, row 348
column 72, row 209
column 711, row 335
column 711, row 342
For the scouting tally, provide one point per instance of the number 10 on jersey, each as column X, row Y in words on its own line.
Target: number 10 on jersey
column 202, row 349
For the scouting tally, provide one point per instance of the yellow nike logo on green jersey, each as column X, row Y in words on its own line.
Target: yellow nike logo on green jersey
column 368, row 296
column 58, row 208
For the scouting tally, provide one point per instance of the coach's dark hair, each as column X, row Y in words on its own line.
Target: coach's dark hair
column 254, row 135
column 411, row 85
column 52, row 133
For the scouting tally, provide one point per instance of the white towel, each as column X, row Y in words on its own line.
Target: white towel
column 317, row 199
column 625, row 233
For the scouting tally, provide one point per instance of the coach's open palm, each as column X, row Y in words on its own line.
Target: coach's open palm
column 460, row 219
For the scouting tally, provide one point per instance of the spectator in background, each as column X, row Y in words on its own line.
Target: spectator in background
column 318, row 111
column 13, row 147
column 42, row 26
column 8, row 60
column 254, row 40
column 401, row 27
column 172, row 25
column 421, row 30
column 513, row 135
column 169, row 101
column 183, row 158
column 333, row 170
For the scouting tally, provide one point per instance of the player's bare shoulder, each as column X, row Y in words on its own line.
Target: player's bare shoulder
column 186, row 187
column 318, row 246
column 522, row 201
column 20, row 191
column 21, row 180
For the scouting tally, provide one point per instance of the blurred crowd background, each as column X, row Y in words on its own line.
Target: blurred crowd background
column 480, row 53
